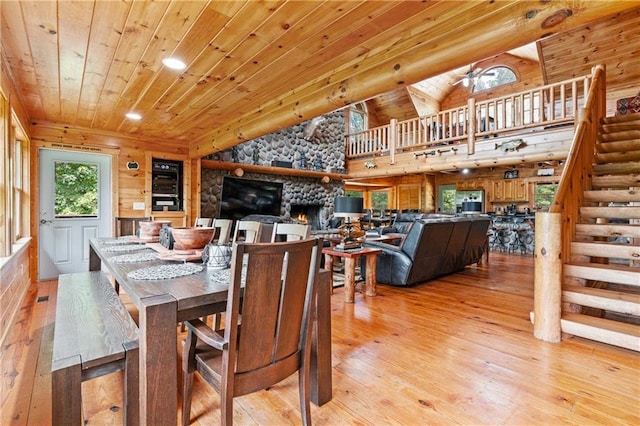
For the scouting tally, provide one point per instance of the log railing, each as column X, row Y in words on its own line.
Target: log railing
column 549, row 105
column 556, row 229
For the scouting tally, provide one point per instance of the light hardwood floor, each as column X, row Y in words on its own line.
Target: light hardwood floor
column 457, row 350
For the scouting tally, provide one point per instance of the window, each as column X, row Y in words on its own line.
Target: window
column 18, row 189
column 446, row 199
column 380, row 201
column 76, row 189
column 494, row 77
column 543, row 195
column 14, row 184
column 357, row 116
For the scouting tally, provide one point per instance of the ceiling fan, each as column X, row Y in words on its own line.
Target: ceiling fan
column 471, row 76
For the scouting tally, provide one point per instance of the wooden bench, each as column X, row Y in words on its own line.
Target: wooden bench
column 94, row 335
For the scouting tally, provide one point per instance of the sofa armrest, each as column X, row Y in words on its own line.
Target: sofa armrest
column 382, row 246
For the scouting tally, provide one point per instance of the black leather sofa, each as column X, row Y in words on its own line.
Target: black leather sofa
column 431, row 248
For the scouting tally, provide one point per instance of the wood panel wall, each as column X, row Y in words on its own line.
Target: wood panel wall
column 131, row 184
column 391, row 105
column 612, row 41
column 14, row 283
column 15, row 270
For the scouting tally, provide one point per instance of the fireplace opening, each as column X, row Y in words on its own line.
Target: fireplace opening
column 306, row 213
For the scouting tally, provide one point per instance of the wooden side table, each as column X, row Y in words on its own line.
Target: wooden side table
column 350, row 257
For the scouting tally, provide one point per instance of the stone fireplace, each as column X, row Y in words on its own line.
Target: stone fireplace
column 307, row 196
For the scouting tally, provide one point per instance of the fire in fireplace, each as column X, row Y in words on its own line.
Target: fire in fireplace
column 306, row 213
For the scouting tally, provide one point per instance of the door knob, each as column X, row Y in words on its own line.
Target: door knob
column 43, row 221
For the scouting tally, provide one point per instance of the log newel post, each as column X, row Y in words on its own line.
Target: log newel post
column 547, row 303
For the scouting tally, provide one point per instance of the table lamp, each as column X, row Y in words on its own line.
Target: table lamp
column 348, row 207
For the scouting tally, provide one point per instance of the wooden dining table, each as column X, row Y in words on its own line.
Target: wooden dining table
column 162, row 304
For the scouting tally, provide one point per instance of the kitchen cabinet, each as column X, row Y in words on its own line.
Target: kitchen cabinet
column 469, row 184
column 509, row 190
column 521, row 190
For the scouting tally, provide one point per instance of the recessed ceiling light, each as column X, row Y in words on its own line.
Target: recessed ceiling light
column 465, row 171
column 174, row 64
column 133, row 116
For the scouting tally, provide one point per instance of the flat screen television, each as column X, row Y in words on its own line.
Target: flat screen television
column 242, row 197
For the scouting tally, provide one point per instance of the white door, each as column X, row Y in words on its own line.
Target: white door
column 74, row 206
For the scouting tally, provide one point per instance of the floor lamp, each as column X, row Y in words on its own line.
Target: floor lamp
column 348, row 208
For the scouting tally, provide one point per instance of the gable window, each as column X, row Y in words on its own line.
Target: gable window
column 357, row 117
column 493, row 77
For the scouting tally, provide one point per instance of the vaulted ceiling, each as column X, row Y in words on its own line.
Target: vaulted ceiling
column 252, row 67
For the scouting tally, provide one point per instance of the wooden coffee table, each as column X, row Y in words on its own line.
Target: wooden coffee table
column 350, row 257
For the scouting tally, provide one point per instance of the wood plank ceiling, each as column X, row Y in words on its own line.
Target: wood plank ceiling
column 252, row 67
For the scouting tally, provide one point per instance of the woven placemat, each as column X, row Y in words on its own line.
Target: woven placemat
column 134, row 257
column 165, row 272
column 223, row 276
column 123, row 248
column 120, row 241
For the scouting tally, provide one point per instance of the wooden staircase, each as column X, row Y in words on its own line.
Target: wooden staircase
column 601, row 288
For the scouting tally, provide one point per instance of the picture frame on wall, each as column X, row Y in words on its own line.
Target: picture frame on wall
column 511, row 174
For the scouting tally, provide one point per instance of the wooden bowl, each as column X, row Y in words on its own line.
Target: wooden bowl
column 151, row 228
column 192, row 238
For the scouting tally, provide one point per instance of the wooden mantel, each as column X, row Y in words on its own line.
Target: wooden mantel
column 238, row 169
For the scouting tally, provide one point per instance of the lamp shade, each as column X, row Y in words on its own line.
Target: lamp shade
column 348, row 206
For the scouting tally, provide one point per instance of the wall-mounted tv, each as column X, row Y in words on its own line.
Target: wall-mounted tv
column 242, row 197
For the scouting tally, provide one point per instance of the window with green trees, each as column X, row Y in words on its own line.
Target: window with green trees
column 447, row 199
column 543, row 195
column 76, row 186
column 380, row 201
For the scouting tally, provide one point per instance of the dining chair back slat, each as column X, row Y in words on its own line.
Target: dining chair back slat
column 249, row 231
column 290, row 232
column 223, row 230
column 202, row 222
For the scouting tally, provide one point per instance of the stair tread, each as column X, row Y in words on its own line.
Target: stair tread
column 604, row 293
column 619, row 181
column 611, row 212
column 606, row 249
column 612, row 272
column 616, row 157
column 621, row 118
column 601, row 323
column 618, row 168
column 617, row 267
column 618, row 195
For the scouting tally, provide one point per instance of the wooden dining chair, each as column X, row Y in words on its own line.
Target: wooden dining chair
column 249, row 231
column 290, row 232
column 202, row 222
column 128, row 225
column 275, row 342
column 223, row 231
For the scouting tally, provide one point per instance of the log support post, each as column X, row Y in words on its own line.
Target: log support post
column 471, row 128
column 393, row 140
column 547, row 303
